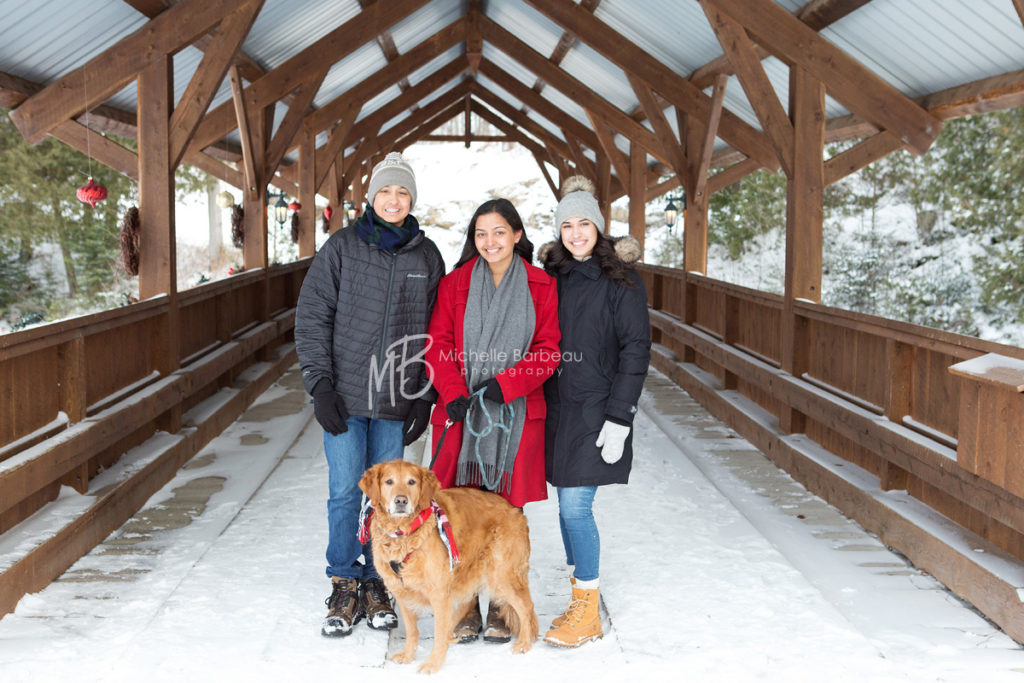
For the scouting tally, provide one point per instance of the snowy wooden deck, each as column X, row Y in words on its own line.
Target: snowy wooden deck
column 716, row 565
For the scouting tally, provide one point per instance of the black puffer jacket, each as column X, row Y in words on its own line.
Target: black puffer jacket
column 361, row 321
column 606, row 350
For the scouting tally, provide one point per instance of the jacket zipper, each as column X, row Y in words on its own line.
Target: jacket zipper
column 387, row 314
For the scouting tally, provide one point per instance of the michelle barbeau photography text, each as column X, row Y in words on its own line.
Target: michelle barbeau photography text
column 405, row 358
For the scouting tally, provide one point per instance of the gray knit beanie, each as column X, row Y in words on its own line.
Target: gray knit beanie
column 578, row 201
column 393, row 170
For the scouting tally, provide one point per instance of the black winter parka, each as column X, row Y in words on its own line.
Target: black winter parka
column 606, row 350
column 361, row 321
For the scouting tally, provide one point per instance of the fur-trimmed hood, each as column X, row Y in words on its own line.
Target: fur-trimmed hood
column 627, row 248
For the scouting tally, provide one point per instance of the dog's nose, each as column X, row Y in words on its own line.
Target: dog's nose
column 401, row 501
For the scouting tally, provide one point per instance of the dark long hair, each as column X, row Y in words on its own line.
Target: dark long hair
column 614, row 268
column 506, row 210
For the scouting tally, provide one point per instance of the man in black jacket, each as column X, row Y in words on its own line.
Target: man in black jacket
column 360, row 334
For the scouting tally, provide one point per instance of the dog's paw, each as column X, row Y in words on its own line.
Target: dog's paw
column 430, row 667
column 403, row 657
column 521, row 647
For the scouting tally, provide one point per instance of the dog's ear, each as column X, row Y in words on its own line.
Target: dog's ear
column 370, row 484
column 430, row 486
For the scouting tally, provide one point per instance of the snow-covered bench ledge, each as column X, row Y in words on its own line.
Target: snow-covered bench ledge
column 991, row 386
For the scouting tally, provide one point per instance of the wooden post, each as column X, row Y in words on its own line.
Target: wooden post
column 307, row 195
column 604, row 188
column 637, row 193
column 990, row 429
column 899, row 368
column 804, row 220
column 157, row 249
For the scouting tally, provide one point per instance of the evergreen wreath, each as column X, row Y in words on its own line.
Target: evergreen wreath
column 237, row 226
column 295, row 227
column 130, row 241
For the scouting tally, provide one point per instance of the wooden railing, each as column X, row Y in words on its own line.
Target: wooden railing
column 880, row 397
column 78, row 394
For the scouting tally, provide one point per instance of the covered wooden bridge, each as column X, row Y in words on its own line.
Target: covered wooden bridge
column 643, row 96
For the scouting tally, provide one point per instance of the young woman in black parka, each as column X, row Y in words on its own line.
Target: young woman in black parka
column 592, row 397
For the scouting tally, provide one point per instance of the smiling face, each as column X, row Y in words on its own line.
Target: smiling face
column 579, row 235
column 392, row 203
column 495, row 240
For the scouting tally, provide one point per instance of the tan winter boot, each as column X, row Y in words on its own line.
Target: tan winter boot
column 557, row 621
column 582, row 620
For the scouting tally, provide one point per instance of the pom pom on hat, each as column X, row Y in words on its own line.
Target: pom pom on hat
column 578, row 201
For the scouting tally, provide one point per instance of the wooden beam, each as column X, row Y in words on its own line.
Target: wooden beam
column 733, row 174
column 252, row 181
column 570, row 86
column 218, row 169
column 247, row 66
column 462, row 138
column 474, row 41
column 606, row 138
column 387, row 45
column 208, row 76
column 517, row 117
column 565, row 43
column 284, row 138
column 509, row 129
column 1019, row 6
column 576, row 153
column 114, row 68
column 675, row 89
column 857, row 157
column 100, row 148
column 412, row 130
column 762, row 96
column 700, row 158
column 328, row 115
column 849, row 82
column 307, row 195
column 331, row 48
column 668, row 140
column 537, row 103
column 329, row 152
column 418, row 121
column 637, row 194
column 547, row 176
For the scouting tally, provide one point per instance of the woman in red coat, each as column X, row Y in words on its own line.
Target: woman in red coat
column 494, row 340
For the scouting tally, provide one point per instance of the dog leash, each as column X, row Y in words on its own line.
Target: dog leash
column 505, row 421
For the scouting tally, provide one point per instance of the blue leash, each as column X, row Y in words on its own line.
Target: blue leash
column 505, row 420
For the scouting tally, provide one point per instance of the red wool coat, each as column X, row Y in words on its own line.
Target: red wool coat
column 446, row 369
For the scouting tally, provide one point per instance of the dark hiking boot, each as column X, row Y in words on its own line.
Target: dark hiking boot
column 496, row 631
column 376, row 605
column 468, row 628
column 343, row 609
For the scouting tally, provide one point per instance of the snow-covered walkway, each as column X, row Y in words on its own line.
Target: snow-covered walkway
column 715, row 566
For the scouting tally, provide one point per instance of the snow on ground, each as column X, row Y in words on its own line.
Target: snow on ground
column 705, row 576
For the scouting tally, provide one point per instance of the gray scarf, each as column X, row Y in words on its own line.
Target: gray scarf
column 497, row 333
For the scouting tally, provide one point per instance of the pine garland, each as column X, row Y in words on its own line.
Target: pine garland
column 295, row 227
column 237, row 226
column 130, row 241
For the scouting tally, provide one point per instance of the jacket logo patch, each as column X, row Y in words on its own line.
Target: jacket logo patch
column 420, row 275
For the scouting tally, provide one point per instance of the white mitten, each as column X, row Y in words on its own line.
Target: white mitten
column 611, row 440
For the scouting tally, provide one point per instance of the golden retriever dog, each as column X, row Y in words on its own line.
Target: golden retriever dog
column 492, row 540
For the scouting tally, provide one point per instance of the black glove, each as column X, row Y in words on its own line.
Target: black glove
column 329, row 408
column 457, row 409
column 417, row 420
column 492, row 390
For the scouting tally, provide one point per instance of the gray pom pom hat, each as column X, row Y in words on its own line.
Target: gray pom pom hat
column 393, row 170
column 578, row 201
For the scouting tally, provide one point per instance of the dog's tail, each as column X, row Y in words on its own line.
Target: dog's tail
column 523, row 625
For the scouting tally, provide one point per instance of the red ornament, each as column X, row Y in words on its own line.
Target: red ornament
column 295, row 206
column 327, row 212
column 91, row 193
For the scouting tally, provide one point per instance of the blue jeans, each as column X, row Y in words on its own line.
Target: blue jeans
column 579, row 530
column 366, row 443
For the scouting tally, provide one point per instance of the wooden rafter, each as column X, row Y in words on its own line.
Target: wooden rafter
column 1019, row 6
column 101, row 148
column 857, row 157
column 565, row 43
column 674, row 88
column 519, row 118
column 570, row 86
column 666, row 137
column 860, row 90
column 547, row 176
column 252, row 181
column 537, row 103
column 108, row 72
column 509, row 129
column 701, row 154
column 285, row 138
column 474, row 41
column 606, row 138
column 576, row 153
column 387, row 46
column 207, row 79
column 333, row 47
column 760, row 93
column 424, row 120
column 335, row 145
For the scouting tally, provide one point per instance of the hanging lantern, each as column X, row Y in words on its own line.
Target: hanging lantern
column 225, row 200
column 295, row 206
column 91, row 193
